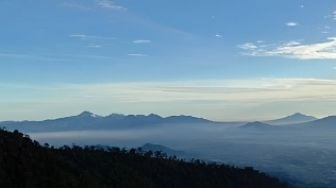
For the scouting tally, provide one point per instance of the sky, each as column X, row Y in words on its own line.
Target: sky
column 218, row 59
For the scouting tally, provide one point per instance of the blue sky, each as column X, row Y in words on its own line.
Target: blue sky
column 223, row 60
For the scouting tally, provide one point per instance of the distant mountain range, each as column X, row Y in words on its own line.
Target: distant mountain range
column 292, row 119
column 89, row 121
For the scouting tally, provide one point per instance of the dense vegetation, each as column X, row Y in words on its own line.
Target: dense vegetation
column 24, row 163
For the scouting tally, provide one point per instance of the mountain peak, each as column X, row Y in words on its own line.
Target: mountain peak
column 87, row 114
column 298, row 114
column 154, row 115
column 115, row 115
column 292, row 119
column 186, row 118
column 257, row 125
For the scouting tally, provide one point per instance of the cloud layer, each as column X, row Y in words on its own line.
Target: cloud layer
column 208, row 98
column 325, row 50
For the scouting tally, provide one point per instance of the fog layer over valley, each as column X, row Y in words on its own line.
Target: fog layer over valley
column 301, row 150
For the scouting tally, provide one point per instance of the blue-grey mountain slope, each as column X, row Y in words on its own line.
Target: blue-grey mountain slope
column 324, row 123
column 292, row 119
column 257, row 126
column 89, row 121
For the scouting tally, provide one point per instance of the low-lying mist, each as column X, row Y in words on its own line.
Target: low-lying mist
column 301, row 156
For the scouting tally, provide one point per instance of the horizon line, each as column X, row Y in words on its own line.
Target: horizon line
column 166, row 116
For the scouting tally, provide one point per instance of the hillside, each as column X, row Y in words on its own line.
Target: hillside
column 24, row 163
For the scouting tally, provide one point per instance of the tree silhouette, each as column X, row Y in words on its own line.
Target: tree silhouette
column 26, row 164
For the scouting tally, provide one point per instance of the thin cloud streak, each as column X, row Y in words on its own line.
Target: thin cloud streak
column 109, row 4
column 256, row 91
column 94, row 46
column 94, row 4
column 86, row 37
column 292, row 24
column 137, row 55
column 142, row 41
column 325, row 50
column 219, row 36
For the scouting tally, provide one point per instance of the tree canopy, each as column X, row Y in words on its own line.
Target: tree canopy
column 25, row 163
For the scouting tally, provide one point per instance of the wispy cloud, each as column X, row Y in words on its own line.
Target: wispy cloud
column 94, row 46
column 109, row 4
column 82, row 36
column 36, row 57
column 86, row 37
column 248, row 46
column 293, row 49
column 94, row 4
column 137, row 55
column 219, row 36
column 292, row 24
column 257, row 90
column 142, row 41
column 326, row 29
column 331, row 16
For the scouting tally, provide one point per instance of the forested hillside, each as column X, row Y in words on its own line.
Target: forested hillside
column 24, row 163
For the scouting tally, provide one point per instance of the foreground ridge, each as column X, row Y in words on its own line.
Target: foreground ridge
column 25, row 163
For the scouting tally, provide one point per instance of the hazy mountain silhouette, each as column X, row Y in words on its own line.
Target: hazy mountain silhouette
column 327, row 122
column 292, row 119
column 87, row 121
column 256, row 125
column 90, row 121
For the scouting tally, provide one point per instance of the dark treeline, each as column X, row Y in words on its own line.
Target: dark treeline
column 24, row 163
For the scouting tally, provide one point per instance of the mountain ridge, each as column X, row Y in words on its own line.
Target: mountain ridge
column 292, row 119
column 327, row 122
column 88, row 120
column 256, row 125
